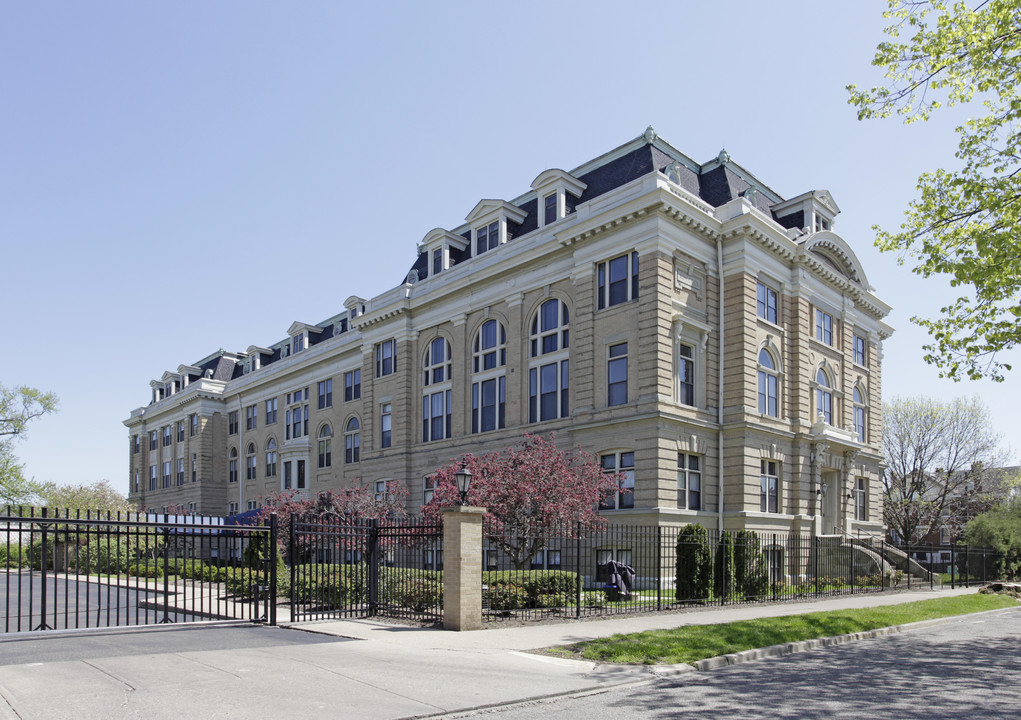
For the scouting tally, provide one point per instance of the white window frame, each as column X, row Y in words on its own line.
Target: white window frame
column 689, row 474
column 621, row 465
column 604, row 283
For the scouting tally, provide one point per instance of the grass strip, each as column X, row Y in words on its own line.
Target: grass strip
column 691, row 643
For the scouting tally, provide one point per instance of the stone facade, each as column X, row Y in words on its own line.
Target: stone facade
column 598, row 308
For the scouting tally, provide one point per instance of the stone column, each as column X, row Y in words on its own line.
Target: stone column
column 462, row 568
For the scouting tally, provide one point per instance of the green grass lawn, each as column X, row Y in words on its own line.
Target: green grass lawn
column 697, row 642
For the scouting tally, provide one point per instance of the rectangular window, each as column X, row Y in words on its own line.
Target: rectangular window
column 617, row 280
column 823, row 327
column 385, row 425
column 136, row 444
column 548, row 388
column 622, row 467
column 765, row 303
column 352, row 385
column 861, row 500
column 287, row 481
column 381, row 490
column 488, row 400
column 428, row 488
column 180, row 471
column 251, row 417
column 616, row 375
column 689, row 481
column 296, row 419
column 768, row 488
column 549, row 208
column 325, row 393
column 487, row 237
column 152, row 477
column 250, row 466
column 298, row 343
column 232, row 422
column 232, row 508
column 386, row 358
column 271, row 411
column 194, row 467
column 686, row 374
column 154, row 439
column 194, row 425
column 252, row 505
column 436, row 416
column 859, row 350
column 180, row 431
column 166, row 474
column 168, row 435
column 437, row 261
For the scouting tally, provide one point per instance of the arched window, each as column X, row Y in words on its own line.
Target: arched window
column 549, row 328
column 489, row 350
column 769, row 385
column 437, row 362
column 860, row 417
column 250, row 462
column 352, row 443
column 325, row 446
column 232, row 465
column 548, row 378
column 489, row 384
column 823, row 397
column 271, row 458
column 436, row 402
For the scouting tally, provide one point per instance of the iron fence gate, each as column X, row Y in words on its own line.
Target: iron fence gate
column 64, row 570
column 343, row 568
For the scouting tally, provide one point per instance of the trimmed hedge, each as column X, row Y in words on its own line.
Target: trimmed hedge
column 694, row 564
column 513, row 590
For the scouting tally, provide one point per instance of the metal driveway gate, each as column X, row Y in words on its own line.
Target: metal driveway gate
column 344, row 568
column 63, row 570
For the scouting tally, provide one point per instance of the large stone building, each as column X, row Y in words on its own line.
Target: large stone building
column 715, row 343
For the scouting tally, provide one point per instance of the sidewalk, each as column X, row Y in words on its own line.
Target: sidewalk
column 350, row 669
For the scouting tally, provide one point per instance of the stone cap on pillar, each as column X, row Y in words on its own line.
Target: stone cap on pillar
column 466, row 509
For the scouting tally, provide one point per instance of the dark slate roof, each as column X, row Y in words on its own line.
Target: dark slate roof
column 716, row 186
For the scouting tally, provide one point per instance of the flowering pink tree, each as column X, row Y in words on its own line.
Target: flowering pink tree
column 348, row 506
column 530, row 492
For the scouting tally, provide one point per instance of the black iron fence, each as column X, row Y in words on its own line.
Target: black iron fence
column 628, row 569
column 341, row 568
column 955, row 565
column 68, row 570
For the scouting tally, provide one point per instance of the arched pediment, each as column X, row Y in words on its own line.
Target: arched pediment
column 833, row 252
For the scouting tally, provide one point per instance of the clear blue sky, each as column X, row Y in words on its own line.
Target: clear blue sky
column 180, row 177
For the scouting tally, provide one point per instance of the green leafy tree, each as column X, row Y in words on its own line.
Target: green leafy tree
column 935, row 451
column 94, row 497
column 966, row 221
column 999, row 529
column 18, row 407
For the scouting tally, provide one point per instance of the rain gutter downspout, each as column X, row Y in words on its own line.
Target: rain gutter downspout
column 719, row 389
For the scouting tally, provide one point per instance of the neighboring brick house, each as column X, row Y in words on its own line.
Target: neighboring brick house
column 589, row 306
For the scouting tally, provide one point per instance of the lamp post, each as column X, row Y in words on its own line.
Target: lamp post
column 464, row 480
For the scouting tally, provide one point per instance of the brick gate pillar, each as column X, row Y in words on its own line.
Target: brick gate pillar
column 462, row 568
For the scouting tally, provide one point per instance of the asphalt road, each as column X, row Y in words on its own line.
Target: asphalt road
column 968, row 668
column 150, row 642
column 76, row 604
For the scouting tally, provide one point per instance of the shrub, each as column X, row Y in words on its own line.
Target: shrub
column 556, row 600
column 751, row 574
column 331, row 586
column 416, row 594
column 505, row 596
column 144, row 570
column 535, row 583
column 12, row 556
column 723, row 567
column 694, row 564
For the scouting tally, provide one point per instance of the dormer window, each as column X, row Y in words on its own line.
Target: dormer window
column 439, row 247
column 487, row 237
column 821, row 223
column 552, row 188
column 298, row 343
column 549, row 205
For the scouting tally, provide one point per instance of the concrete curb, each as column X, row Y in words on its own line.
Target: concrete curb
column 744, row 656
